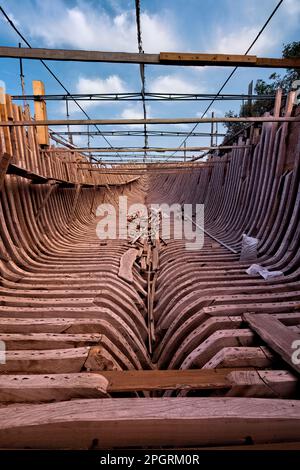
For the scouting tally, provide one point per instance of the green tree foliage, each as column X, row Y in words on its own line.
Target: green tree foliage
column 263, row 88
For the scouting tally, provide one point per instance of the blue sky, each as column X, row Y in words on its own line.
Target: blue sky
column 227, row 26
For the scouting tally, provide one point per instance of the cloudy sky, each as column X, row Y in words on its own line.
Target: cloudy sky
column 227, row 26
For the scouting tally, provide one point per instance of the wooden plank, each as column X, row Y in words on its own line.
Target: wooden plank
column 45, row 199
column 40, row 112
column 250, row 447
column 256, row 383
column 5, row 160
column 155, row 258
column 126, row 264
column 78, row 55
column 51, row 387
column 39, row 179
column 139, row 380
column 75, row 202
column 170, row 58
column 186, row 58
column 122, row 122
column 48, row 361
column 141, row 150
column 43, row 341
column 277, row 336
column 4, row 117
column 149, row 422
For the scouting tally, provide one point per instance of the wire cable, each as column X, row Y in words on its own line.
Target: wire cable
column 233, row 71
column 54, row 75
column 142, row 67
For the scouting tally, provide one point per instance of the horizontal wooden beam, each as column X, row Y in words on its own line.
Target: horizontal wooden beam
column 106, row 423
column 139, row 160
column 164, row 58
column 138, row 380
column 38, row 387
column 122, row 122
column 147, row 166
column 41, row 388
column 141, row 172
column 142, row 150
column 158, row 171
column 38, row 179
column 184, row 58
column 131, row 158
column 78, row 55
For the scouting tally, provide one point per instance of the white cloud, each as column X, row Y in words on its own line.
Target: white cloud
column 95, row 85
column 292, row 7
column 238, row 41
column 135, row 112
column 173, row 84
column 89, row 28
column 132, row 113
column 111, row 84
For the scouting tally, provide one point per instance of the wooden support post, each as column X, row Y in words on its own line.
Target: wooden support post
column 74, row 205
column 212, row 131
column 250, row 91
column 4, row 115
column 45, row 200
column 93, row 201
column 40, row 112
column 4, row 162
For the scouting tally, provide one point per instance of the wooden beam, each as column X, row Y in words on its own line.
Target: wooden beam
column 126, row 264
column 38, row 179
column 139, row 380
column 164, row 58
column 40, row 112
column 52, row 186
column 122, row 122
column 5, row 160
column 51, row 387
column 75, row 201
column 28, row 174
column 4, row 116
column 142, row 150
column 235, row 382
column 81, row 424
column 184, row 58
column 277, row 336
column 78, row 55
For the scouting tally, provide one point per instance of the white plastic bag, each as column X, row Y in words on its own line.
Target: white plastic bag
column 249, row 248
column 264, row 272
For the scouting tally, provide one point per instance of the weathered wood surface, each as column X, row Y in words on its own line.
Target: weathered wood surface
column 126, row 264
column 85, row 424
column 277, row 336
column 122, row 122
column 51, row 387
column 5, row 160
column 175, row 58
